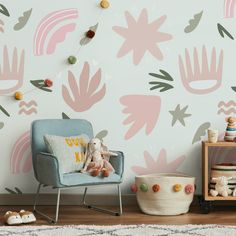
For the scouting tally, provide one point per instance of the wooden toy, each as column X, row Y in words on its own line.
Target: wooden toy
column 230, row 133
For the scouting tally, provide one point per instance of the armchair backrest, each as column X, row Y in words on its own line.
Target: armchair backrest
column 60, row 127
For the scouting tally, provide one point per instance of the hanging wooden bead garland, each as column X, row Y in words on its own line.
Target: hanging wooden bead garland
column 41, row 84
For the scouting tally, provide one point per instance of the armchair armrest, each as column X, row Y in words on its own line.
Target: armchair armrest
column 118, row 163
column 47, row 168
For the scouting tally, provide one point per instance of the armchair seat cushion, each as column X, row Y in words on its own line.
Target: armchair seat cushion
column 85, row 179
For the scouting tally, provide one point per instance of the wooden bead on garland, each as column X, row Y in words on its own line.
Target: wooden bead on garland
column 104, row 4
column 48, row 82
column 18, row 95
column 72, row 60
column 90, row 34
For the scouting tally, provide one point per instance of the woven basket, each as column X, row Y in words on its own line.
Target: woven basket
column 165, row 201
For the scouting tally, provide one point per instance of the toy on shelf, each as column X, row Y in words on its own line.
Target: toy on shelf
column 230, row 133
column 221, row 187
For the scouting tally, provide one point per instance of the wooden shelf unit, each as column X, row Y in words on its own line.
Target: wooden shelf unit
column 205, row 168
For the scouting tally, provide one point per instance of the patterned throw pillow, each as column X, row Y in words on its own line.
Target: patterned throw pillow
column 70, row 151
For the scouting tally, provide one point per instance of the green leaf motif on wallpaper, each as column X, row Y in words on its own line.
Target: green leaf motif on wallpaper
column 193, row 23
column 64, row 116
column 102, row 134
column 2, row 109
column 163, row 86
column 201, row 131
column 40, row 85
column 222, row 31
column 4, row 10
column 15, row 191
column 85, row 40
column 234, row 89
column 22, row 20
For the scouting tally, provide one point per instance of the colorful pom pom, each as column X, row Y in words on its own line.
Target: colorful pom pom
column 18, row 95
column 189, row 189
column 48, row 82
column 72, row 60
column 144, row 187
column 104, row 4
column 90, row 34
column 134, row 188
column 156, row 188
column 177, row 187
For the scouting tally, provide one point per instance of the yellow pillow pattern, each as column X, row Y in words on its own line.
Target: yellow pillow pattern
column 70, row 151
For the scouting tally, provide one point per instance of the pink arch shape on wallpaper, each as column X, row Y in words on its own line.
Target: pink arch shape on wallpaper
column 59, row 36
column 47, row 24
column 229, row 6
column 21, row 158
column 142, row 110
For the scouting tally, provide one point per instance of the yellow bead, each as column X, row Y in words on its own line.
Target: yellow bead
column 104, row 4
column 18, row 95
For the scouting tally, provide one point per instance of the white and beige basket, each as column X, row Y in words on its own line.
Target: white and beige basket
column 164, row 193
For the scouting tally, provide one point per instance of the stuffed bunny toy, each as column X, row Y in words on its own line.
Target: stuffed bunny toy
column 221, row 187
column 97, row 159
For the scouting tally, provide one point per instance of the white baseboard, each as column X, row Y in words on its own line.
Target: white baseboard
column 66, row 199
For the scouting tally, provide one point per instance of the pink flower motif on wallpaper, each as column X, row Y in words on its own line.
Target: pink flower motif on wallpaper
column 21, row 158
column 229, row 8
column 11, row 71
column 141, row 36
column 51, row 31
column 201, row 76
column 81, row 98
column 143, row 110
column 158, row 164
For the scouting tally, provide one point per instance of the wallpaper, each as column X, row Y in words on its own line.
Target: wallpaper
column 152, row 77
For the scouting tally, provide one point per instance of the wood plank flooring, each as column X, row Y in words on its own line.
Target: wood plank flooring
column 131, row 215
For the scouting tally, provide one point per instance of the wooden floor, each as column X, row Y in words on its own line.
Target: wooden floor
column 76, row 215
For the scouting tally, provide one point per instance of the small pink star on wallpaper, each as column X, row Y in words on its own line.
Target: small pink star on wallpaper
column 141, row 36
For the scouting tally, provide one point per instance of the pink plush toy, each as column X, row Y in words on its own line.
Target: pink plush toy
column 97, row 159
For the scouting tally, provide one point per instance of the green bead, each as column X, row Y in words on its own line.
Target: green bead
column 72, row 59
column 144, row 187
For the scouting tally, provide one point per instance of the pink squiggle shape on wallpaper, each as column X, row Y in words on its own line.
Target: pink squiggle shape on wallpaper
column 47, row 24
column 59, row 36
column 229, row 8
column 227, row 112
column 226, row 104
column 11, row 71
column 83, row 96
column 143, row 110
column 28, row 104
column 21, row 158
column 158, row 164
column 201, row 79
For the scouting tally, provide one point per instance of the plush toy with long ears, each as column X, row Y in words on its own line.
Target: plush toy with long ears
column 97, row 159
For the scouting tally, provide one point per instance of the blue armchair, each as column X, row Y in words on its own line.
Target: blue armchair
column 46, row 166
